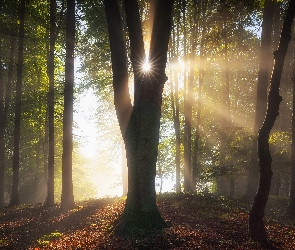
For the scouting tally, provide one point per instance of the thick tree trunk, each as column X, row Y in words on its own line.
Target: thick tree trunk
column 67, row 197
column 256, row 226
column 14, row 200
column 52, row 34
column 261, row 101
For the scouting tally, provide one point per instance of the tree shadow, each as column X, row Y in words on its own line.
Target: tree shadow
column 22, row 227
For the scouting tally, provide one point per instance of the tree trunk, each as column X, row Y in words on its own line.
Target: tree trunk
column 199, row 102
column 2, row 128
column 124, row 171
column 52, row 34
column 2, row 132
column 187, row 171
column 3, row 119
column 256, row 226
column 261, row 101
column 142, row 132
column 14, row 200
column 175, row 106
column 67, row 197
column 291, row 206
column 119, row 64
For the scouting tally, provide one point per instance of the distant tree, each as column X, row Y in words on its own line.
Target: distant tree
column 197, row 136
column 175, row 96
column 14, row 200
column 257, row 230
column 141, row 130
column 67, row 196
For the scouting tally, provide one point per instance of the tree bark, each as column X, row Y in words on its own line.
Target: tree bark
column 14, row 200
column 136, row 44
column 119, row 64
column 52, row 34
column 67, row 197
column 199, row 102
column 142, row 132
column 291, row 206
column 257, row 230
column 3, row 120
column 187, row 171
column 261, row 96
column 2, row 129
column 175, row 105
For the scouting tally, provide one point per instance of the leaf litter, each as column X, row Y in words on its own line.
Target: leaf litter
column 197, row 222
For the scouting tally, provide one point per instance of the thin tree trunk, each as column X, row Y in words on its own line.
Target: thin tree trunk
column 3, row 120
column 225, row 109
column 261, row 101
column 52, row 34
column 67, row 197
column 175, row 105
column 199, row 102
column 291, row 206
column 257, row 230
column 14, row 200
column 187, row 185
column 2, row 129
column 124, row 171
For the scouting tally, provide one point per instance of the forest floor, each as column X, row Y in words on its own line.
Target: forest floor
column 198, row 222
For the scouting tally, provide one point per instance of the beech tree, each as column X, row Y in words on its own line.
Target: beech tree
column 52, row 34
column 261, row 96
column 14, row 200
column 67, row 196
column 140, row 128
column 257, row 230
column 291, row 206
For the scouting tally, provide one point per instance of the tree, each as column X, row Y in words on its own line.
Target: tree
column 257, row 230
column 50, row 185
column 199, row 102
column 291, row 206
column 175, row 99
column 18, row 105
column 2, row 128
column 67, row 197
column 261, row 96
column 142, row 132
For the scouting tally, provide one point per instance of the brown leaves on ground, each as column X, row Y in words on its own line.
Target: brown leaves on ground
column 198, row 222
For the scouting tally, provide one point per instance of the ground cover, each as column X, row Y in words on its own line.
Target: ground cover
column 197, row 222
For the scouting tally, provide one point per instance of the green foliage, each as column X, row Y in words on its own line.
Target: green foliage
column 45, row 239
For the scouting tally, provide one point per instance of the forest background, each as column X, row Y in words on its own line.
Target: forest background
column 208, row 111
